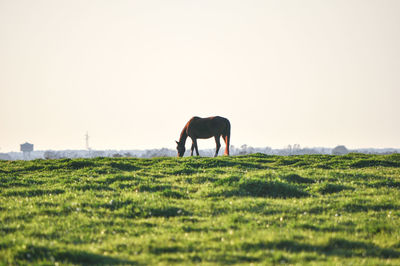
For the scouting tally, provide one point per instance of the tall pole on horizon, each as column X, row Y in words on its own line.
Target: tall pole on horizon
column 87, row 141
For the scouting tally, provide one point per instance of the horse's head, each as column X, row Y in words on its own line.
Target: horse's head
column 181, row 148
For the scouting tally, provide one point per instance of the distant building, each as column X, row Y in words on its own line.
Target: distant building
column 26, row 148
column 340, row 150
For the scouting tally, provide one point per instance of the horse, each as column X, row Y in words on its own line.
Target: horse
column 205, row 128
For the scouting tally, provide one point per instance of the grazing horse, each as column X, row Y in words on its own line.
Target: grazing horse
column 204, row 128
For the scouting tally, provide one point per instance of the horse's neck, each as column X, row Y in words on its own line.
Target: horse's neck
column 183, row 137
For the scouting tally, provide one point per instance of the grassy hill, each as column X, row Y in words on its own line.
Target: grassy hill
column 259, row 209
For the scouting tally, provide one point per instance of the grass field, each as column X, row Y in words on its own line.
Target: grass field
column 258, row 209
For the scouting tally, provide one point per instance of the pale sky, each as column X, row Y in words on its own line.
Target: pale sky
column 131, row 73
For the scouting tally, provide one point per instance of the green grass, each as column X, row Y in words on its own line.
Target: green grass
column 312, row 209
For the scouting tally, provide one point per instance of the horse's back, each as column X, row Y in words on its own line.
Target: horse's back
column 219, row 120
column 212, row 120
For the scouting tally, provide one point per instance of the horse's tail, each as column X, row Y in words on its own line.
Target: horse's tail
column 227, row 137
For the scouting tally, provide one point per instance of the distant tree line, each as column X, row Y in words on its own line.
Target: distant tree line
column 294, row 149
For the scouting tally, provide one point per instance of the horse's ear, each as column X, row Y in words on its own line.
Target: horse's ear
column 177, row 142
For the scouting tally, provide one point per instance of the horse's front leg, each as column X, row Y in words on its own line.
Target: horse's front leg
column 195, row 146
column 192, row 149
column 218, row 145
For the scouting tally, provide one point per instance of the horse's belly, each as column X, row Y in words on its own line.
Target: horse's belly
column 205, row 136
column 201, row 135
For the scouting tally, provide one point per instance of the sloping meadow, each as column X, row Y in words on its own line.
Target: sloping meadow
column 260, row 209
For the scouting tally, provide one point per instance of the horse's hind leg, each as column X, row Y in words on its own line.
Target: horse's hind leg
column 218, row 144
column 226, row 139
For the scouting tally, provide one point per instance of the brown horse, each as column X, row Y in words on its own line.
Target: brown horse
column 204, row 128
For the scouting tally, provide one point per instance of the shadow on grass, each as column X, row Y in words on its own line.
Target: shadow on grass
column 285, row 160
column 180, row 171
column 7, row 229
column 374, row 163
column 173, row 194
column 166, row 212
column 144, row 211
column 229, row 259
column 207, row 163
column 355, row 207
column 80, row 163
column 124, row 166
column 365, row 177
column 158, row 250
column 94, row 187
column 201, row 180
column 385, row 183
column 118, row 178
column 329, row 188
column 11, row 182
column 251, row 187
column 335, row 247
column 230, row 180
column 32, row 254
column 343, row 227
column 294, row 178
column 47, row 236
column 29, row 166
column 222, row 259
column 34, row 192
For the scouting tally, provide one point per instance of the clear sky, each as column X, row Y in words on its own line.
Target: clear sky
column 131, row 73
